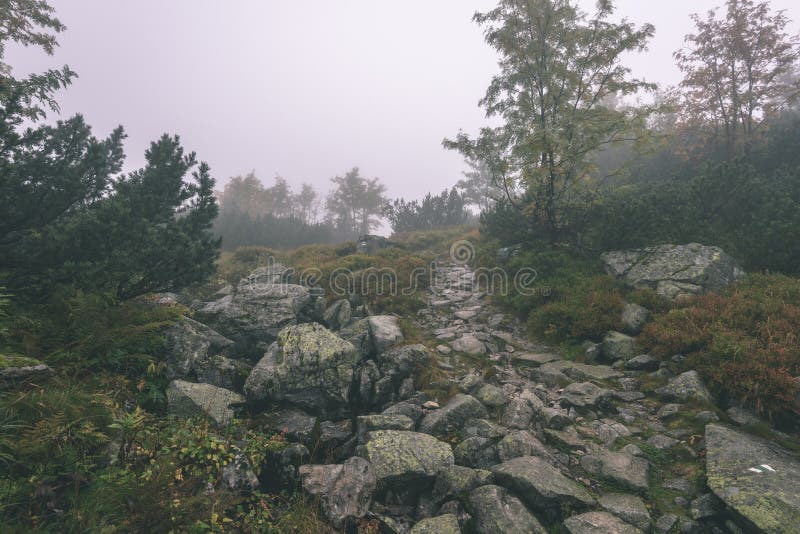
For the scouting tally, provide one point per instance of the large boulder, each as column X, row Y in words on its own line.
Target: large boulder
column 406, row 462
column 541, row 485
column 254, row 315
column 187, row 399
column 344, row 491
column 755, row 477
column 385, row 332
column 308, row 366
column 495, row 510
column 188, row 342
column 457, row 480
column 685, row 387
column 453, row 415
column 674, row 271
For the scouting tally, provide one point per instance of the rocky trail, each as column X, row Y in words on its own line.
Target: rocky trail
column 525, row 440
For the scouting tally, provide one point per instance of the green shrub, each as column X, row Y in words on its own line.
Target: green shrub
column 744, row 342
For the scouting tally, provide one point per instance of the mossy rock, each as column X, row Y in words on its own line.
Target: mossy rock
column 15, row 369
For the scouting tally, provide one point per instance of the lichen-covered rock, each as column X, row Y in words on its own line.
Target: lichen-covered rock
column 357, row 333
column 491, row 396
column 369, row 423
column 187, row 399
column 273, row 273
column 674, row 271
column 238, row 475
column 294, row 424
column 520, row 443
column 618, row 346
column 453, row 415
column 469, row 344
column 15, row 369
column 457, row 480
column 618, row 467
column 495, row 510
column 406, row 461
column 441, row 524
column 687, row 386
column 337, row 314
column 598, row 523
column 254, row 315
column 344, row 491
column 629, row 508
column 581, row 371
column 756, row 478
column 541, row 485
column 585, row 395
column 477, row 452
column 188, row 343
column 399, row 363
column 642, row 362
column 634, row 317
column 308, row 366
column 385, row 331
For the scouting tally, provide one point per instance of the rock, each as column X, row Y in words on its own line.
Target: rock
column 188, row 342
column 15, row 369
column 457, row 480
column 357, row 333
column 674, row 271
column 634, row 317
column 477, row 452
column 549, row 377
column 344, row 491
column 442, row 524
column 518, row 414
column 222, row 372
column 491, row 396
column 469, row 344
column 706, row 506
column 273, row 273
column 470, row 383
column 665, row 523
column 660, row 441
column 465, row 315
column 585, row 395
column 368, row 423
column 453, row 415
column 307, row 366
column 336, row 440
column 566, row 439
column 238, row 475
column 642, row 362
column 520, row 443
column 494, row 510
column 370, row 244
column 618, row 346
column 542, row 486
column 506, row 253
column 742, row 416
column 533, row 359
column 668, row 410
column 598, row 523
column 555, row 418
column 385, row 332
column 581, row 371
column 618, row 467
column 685, row 387
column 678, row 484
column 629, row 508
column 406, row 461
column 295, row 424
column 409, row 409
column 443, row 349
column 769, row 498
column 254, row 315
column 706, row 416
column 337, row 314
column 401, row 362
column 187, row 399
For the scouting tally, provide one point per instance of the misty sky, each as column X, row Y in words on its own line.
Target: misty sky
column 304, row 89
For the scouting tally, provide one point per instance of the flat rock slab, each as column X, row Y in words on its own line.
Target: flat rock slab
column 618, row 467
column 598, row 523
column 758, row 479
column 187, row 399
column 534, row 359
column 582, row 371
column 541, row 484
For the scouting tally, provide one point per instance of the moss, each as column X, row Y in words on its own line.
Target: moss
column 15, row 360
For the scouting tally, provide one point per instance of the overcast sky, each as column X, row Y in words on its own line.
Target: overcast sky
column 305, row 89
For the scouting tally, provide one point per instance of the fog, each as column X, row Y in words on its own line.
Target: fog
column 306, row 90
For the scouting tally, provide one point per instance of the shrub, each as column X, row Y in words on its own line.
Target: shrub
column 744, row 342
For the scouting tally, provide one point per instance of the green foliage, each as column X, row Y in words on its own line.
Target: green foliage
column 355, row 203
column 433, row 211
column 744, row 342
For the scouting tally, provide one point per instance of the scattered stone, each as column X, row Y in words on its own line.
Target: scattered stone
column 337, row 314
column 678, row 484
column 706, row 506
column 634, row 317
column 665, row 523
column 756, row 478
column 453, row 415
column 585, row 395
column 618, row 467
column 368, row 423
column 469, row 344
column 674, row 271
column 476, row 452
column 629, row 508
column 494, row 510
column 598, row 523
column 706, row 416
column 470, row 383
column 408, row 409
column 187, row 399
column 520, row 443
column 456, row 481
column 465, row 315
column 405, row 461
column 685, row 387
column 642, row 362
column 541, row 485
column 308, row 366
column 385, row 332
column 518, row 414
column 491, row 396
column 632, row 449
column 618, row 346
column 16, row 369
column 444, row 349
column 442, row 524
column 344, row 491
column 668, row 410
column 660, row 441
column 566, row 439
column 357, row 333
column 742, row 416
column 295, row 424
column 555, row 418
column 533, row 359
column 238, row 475
column 188, row 342
column 581, row 371
column 399, row 363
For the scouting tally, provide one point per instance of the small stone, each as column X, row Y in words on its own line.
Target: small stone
column 430, row 405
column 491, row 396
column 598, row 523
column 660, row 441
column 618, row 346
column 665, row 523
column 634, row 317
column 619, row 467
column 456, row 480
column 668, row 410
column 685, row 387
column 706, row 416
column 444, row 349
column 642, row 362
column 442, row 524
